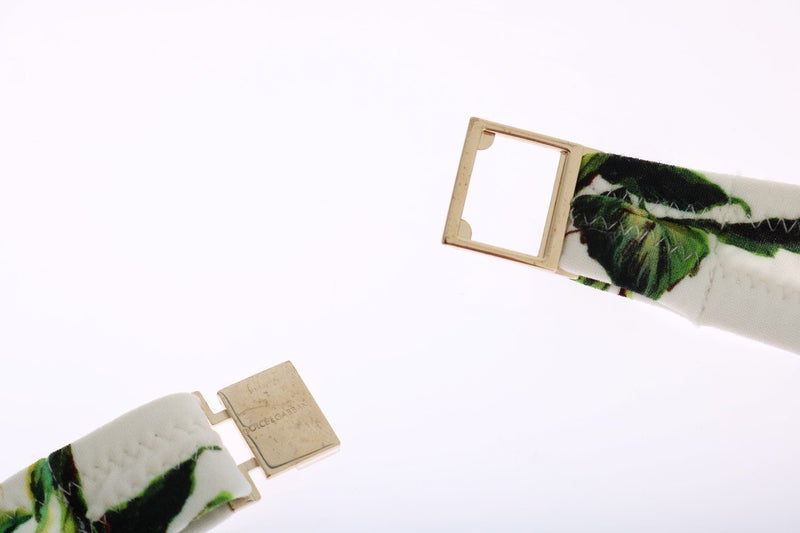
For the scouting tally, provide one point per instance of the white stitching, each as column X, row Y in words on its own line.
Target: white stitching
column 754, row 282
column 713, row 253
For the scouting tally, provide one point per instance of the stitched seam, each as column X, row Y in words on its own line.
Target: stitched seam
column 117, row 458
column 717, row 266
column 73, row 485
column 756, row 283
column 120, row 460
column 64, row 490
column 640, row 235
column 780, row 221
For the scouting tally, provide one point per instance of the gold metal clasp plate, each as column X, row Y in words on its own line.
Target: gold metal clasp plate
column 279, row 420
column 480, row 135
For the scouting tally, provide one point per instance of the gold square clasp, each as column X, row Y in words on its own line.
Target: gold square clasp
column 480, row 135
column 279, row 420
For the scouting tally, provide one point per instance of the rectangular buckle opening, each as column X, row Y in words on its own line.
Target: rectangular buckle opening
column 480, row 135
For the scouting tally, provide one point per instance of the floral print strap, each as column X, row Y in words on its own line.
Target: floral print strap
column 720, row 250
column 155, row 470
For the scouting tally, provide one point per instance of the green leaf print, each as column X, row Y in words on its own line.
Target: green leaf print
column 155, row 507
column 638, row 251
column 589, row 282
column 220, row 499
column 54, row 485
column 590, row 168
column 602, row 286
column 40, row 481
column 764, row 237
column 677, row 187
column 11, row 520
column 67, row 482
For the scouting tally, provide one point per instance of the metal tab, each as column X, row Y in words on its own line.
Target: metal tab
column 279, row 420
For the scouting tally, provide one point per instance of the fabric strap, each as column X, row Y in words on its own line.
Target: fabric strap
column 156, row 469
column 719, row 250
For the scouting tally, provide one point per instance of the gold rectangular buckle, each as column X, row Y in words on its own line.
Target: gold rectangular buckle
column 480, row 135
column 279, row 420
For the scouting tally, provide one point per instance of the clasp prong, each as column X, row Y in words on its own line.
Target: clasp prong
column 280, row 421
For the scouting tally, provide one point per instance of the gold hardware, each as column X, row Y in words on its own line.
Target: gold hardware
column 480, row 135
column 279, row 420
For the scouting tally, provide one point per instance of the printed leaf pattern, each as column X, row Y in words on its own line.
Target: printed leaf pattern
column 602, row 286
column 589, row 282
column 221, row 498
column 650, row 255
column 41, row 485
column 764, row 238
column 11, row 520
column 67, row 483
column 157, row 505
column 56, row 480
column 640, row 252
column 676, row 187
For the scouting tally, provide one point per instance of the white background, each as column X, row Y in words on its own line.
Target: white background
column 193, row 191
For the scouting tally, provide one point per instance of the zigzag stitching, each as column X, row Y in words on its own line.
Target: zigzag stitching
column 633, row 199
column 640, row 236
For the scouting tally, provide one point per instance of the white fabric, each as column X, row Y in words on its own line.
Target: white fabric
column 119, row 461
column 733, row 289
